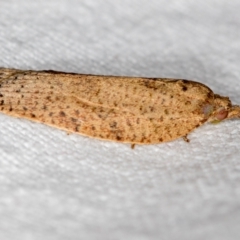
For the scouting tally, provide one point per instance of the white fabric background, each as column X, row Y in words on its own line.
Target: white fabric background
column 59, row 186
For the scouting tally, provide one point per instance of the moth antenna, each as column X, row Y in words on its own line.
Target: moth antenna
column 234, row 112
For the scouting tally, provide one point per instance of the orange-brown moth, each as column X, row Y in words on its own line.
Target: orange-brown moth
column 125, row 109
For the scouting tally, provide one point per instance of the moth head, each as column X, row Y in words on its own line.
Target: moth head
column 222, row 109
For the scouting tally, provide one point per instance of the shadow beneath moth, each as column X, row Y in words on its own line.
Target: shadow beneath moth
column 124, row 109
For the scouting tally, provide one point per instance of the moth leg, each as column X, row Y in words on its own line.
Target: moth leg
column 185, row 138
column 133, row 145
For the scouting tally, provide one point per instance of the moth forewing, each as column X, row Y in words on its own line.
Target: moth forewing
column 126, row 109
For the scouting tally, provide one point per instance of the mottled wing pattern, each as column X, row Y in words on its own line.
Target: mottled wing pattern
column 134, row 110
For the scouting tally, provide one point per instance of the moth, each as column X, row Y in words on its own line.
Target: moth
column 125, row 109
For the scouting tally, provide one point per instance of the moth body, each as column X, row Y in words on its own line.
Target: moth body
column 124, row 109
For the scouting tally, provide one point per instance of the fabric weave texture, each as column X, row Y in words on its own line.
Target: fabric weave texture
column 59, row 186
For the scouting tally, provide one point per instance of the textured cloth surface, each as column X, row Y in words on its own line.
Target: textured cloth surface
column 59, row 186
